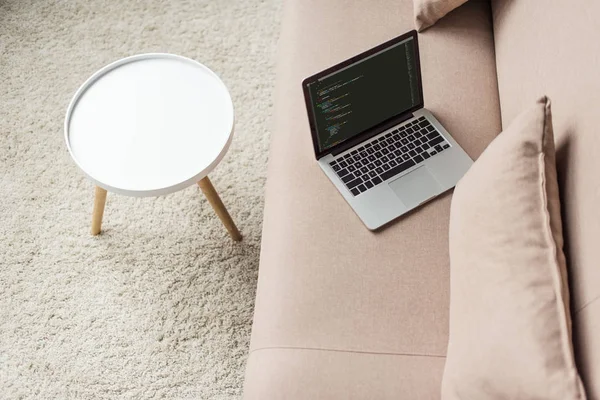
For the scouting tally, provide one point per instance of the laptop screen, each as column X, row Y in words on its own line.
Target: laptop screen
column 364, row 93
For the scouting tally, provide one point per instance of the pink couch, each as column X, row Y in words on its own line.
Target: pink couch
column 344, row 313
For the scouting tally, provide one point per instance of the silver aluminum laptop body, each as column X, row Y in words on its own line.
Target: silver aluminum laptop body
column 384, row 186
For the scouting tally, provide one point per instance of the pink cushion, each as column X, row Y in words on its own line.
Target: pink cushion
column 427, row 12
column 510, row 333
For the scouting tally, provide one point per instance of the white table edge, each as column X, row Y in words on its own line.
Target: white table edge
column 153, row 192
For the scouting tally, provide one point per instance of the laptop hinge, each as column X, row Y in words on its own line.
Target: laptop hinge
column 369, row 134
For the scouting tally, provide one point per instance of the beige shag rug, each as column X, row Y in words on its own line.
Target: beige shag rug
column 160, row 305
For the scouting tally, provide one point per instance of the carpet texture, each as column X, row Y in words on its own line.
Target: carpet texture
column 160, row 305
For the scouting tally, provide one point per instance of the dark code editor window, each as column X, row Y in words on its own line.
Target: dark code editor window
column 365, row 94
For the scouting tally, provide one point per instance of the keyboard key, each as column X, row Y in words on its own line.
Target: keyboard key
column 404, row 141
column 351, row 168
column 377, row 180
column 396, row 138
column 333, row 163
column 391, row 156
column 435, row 141
column 337, row 168
column 386, row 167
column 342, row 172
column 368, row 144
column 379, row 170
column 412, row 153
column 446, row 146
column 404, row 149
column 411, row 146
column 409, row 130
column 397, row 169
column 422, row 119
column 397, row 153
column 369, row 184
column 426, row 146
column 430, row 129
column 354, row 152
column 364, row 170
column 348, row 178
column 419, row 150
column 384, row 159
column 423, row 124
column 389, row 140
column 418, row 159
column 426, row 155
column 377, row 147
column 411, row 138
column 405, row 157
column 432, row 135
column 378, row 163
column 378, row 154
column 355, row 192
column 354, row 183
column 343, row 164
column 372, row 174
column 433, row 153
column 358, row 172
column 361, row 188
column 438, row 148
column 393, row 163
column 371, row 158
column 356, row 157
column 396, row 131
column 361, row 148
column 418, row 134
column 370, row 150
column 385, row 151
column 358, row 164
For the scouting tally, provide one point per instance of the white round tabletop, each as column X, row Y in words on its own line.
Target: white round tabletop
column 149, row 124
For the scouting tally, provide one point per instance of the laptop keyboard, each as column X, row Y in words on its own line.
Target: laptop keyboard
column 387, row 156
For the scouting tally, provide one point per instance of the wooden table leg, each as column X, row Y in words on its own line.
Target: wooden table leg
column 99, row 203
column 216, row 203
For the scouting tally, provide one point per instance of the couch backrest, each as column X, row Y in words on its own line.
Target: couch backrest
column 553, row 47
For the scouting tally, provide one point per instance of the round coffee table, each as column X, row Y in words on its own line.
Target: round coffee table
column 149, row 125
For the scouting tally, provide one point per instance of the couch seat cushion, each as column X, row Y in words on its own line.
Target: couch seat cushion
column 326, row 283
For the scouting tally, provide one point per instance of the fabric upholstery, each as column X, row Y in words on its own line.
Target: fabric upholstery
column 428, row 12
column 308, row 374
column 509, row 314
column 325, row 282
column 554, row 49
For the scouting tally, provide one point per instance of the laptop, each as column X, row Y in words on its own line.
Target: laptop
column 384, row 152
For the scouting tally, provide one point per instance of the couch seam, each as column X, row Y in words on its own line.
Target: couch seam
column 589, row 303
column 345, row 351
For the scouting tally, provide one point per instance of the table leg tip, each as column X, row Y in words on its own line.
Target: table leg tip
column 236, row 236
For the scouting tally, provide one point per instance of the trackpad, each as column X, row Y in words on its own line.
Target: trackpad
column 416, row 187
